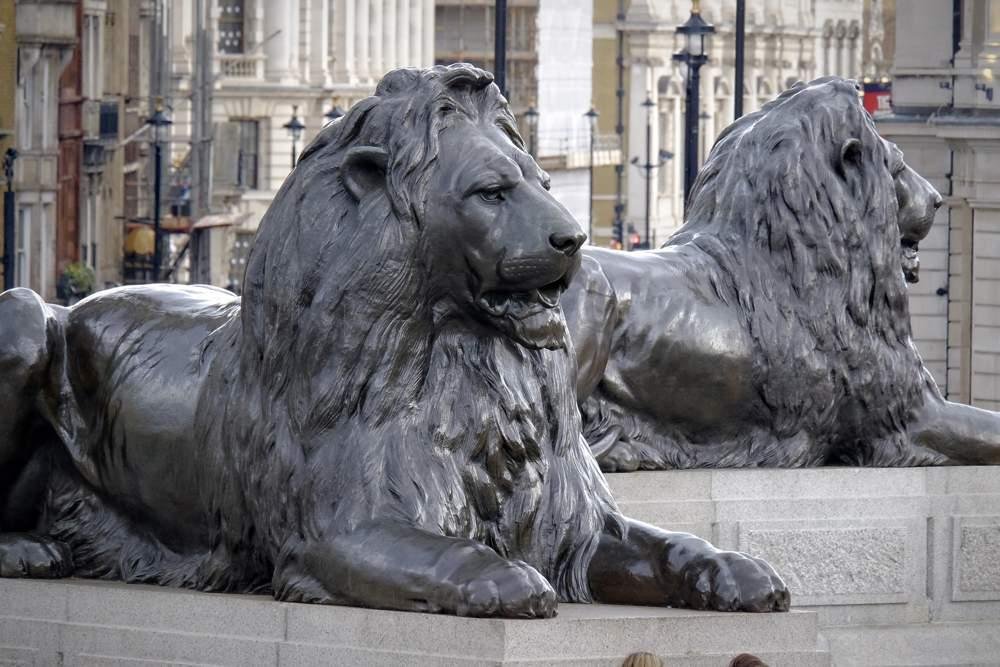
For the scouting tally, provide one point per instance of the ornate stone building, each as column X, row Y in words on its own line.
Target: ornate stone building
column 46, row 33
column 946, row 118
column 268, row 60
column 785, row 41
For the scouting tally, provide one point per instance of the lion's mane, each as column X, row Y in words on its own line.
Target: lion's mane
column 807, row 251
column 351, row 397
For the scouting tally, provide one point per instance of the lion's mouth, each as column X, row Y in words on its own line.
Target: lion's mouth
column 522, row 304
column 910, row 260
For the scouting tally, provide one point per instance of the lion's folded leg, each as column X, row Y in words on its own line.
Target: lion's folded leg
column 650, row 566
column 392, row 565
column 966, row 435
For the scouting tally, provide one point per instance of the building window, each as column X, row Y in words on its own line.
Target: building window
column 238, row 260
column 231, row 26
column 22, row 268
column 247, row 157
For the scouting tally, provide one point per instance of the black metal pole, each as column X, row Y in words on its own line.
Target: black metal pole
column 590, row 227
column 618, row 226
column 293, row 153
column 157, row 176
column 691, row 124
column 649, row 175
column 741, row 20
column 8, row 220
column 500, row 47
column 8, row 238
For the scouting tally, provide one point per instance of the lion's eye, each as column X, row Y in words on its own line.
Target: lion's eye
column 492, row 195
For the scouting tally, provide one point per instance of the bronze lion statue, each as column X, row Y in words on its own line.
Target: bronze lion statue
column 773, row 328
column 388, row 417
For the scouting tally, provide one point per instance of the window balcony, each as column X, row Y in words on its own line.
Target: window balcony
column 241, row 66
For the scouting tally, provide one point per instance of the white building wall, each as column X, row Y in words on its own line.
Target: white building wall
column 571, row 187
column 565, row 53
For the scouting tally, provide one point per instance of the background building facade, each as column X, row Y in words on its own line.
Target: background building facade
column 634, row 41
column 266, row 61
column 946, row 118
column 550, row 59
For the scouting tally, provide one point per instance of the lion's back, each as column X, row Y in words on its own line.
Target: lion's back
column 137, row 358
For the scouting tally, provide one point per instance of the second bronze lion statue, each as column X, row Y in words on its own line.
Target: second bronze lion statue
column 773, row 329
column 387, row 418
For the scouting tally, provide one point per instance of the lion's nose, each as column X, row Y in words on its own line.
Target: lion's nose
column 937, row 200
column 567, row 242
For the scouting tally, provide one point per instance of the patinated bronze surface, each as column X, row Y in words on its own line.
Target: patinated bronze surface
column 387, row 419
column 773, row 329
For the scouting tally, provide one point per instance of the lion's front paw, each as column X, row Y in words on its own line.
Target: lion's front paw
column 511, row 589
column 732, row 581
column 27, row 555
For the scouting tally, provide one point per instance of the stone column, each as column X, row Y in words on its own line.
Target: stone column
column 376, row 28
column 389, row 35
column 319, row 46
column 362, row 18
column 416, row 31
column 403, row 32
column 641, row 85
column 279, row 16
column 344, row 70
column 428, row 34
column 707, row 130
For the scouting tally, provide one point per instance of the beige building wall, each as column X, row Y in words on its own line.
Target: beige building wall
column 947, row 121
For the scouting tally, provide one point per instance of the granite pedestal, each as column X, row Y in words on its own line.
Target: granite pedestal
column 902, row 564
column 79, row 622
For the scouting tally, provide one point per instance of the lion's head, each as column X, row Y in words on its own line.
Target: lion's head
column 416, row 212
column 814, row 220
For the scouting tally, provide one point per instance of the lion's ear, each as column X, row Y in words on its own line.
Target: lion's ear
column 850, row 155
column 363, row 170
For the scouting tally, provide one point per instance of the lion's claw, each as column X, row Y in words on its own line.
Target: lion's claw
column 512, row 589
column 36, row 556
column 732, row 581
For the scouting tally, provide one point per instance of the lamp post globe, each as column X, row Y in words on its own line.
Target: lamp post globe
column 333, row 114
column 295, row 128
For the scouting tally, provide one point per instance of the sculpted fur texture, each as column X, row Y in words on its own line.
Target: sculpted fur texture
column 387, row 418
column 773, row 328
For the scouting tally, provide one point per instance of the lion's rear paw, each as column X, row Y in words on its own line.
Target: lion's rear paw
column 37, row 556
column 511, row 589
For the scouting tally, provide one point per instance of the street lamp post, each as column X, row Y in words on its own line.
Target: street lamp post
column 500, row 46
column 531, row 115
column 648, row 167
column 591, row 117
column 741, row 30
column 158, row 121
column 294, row 127
column 695, row 29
